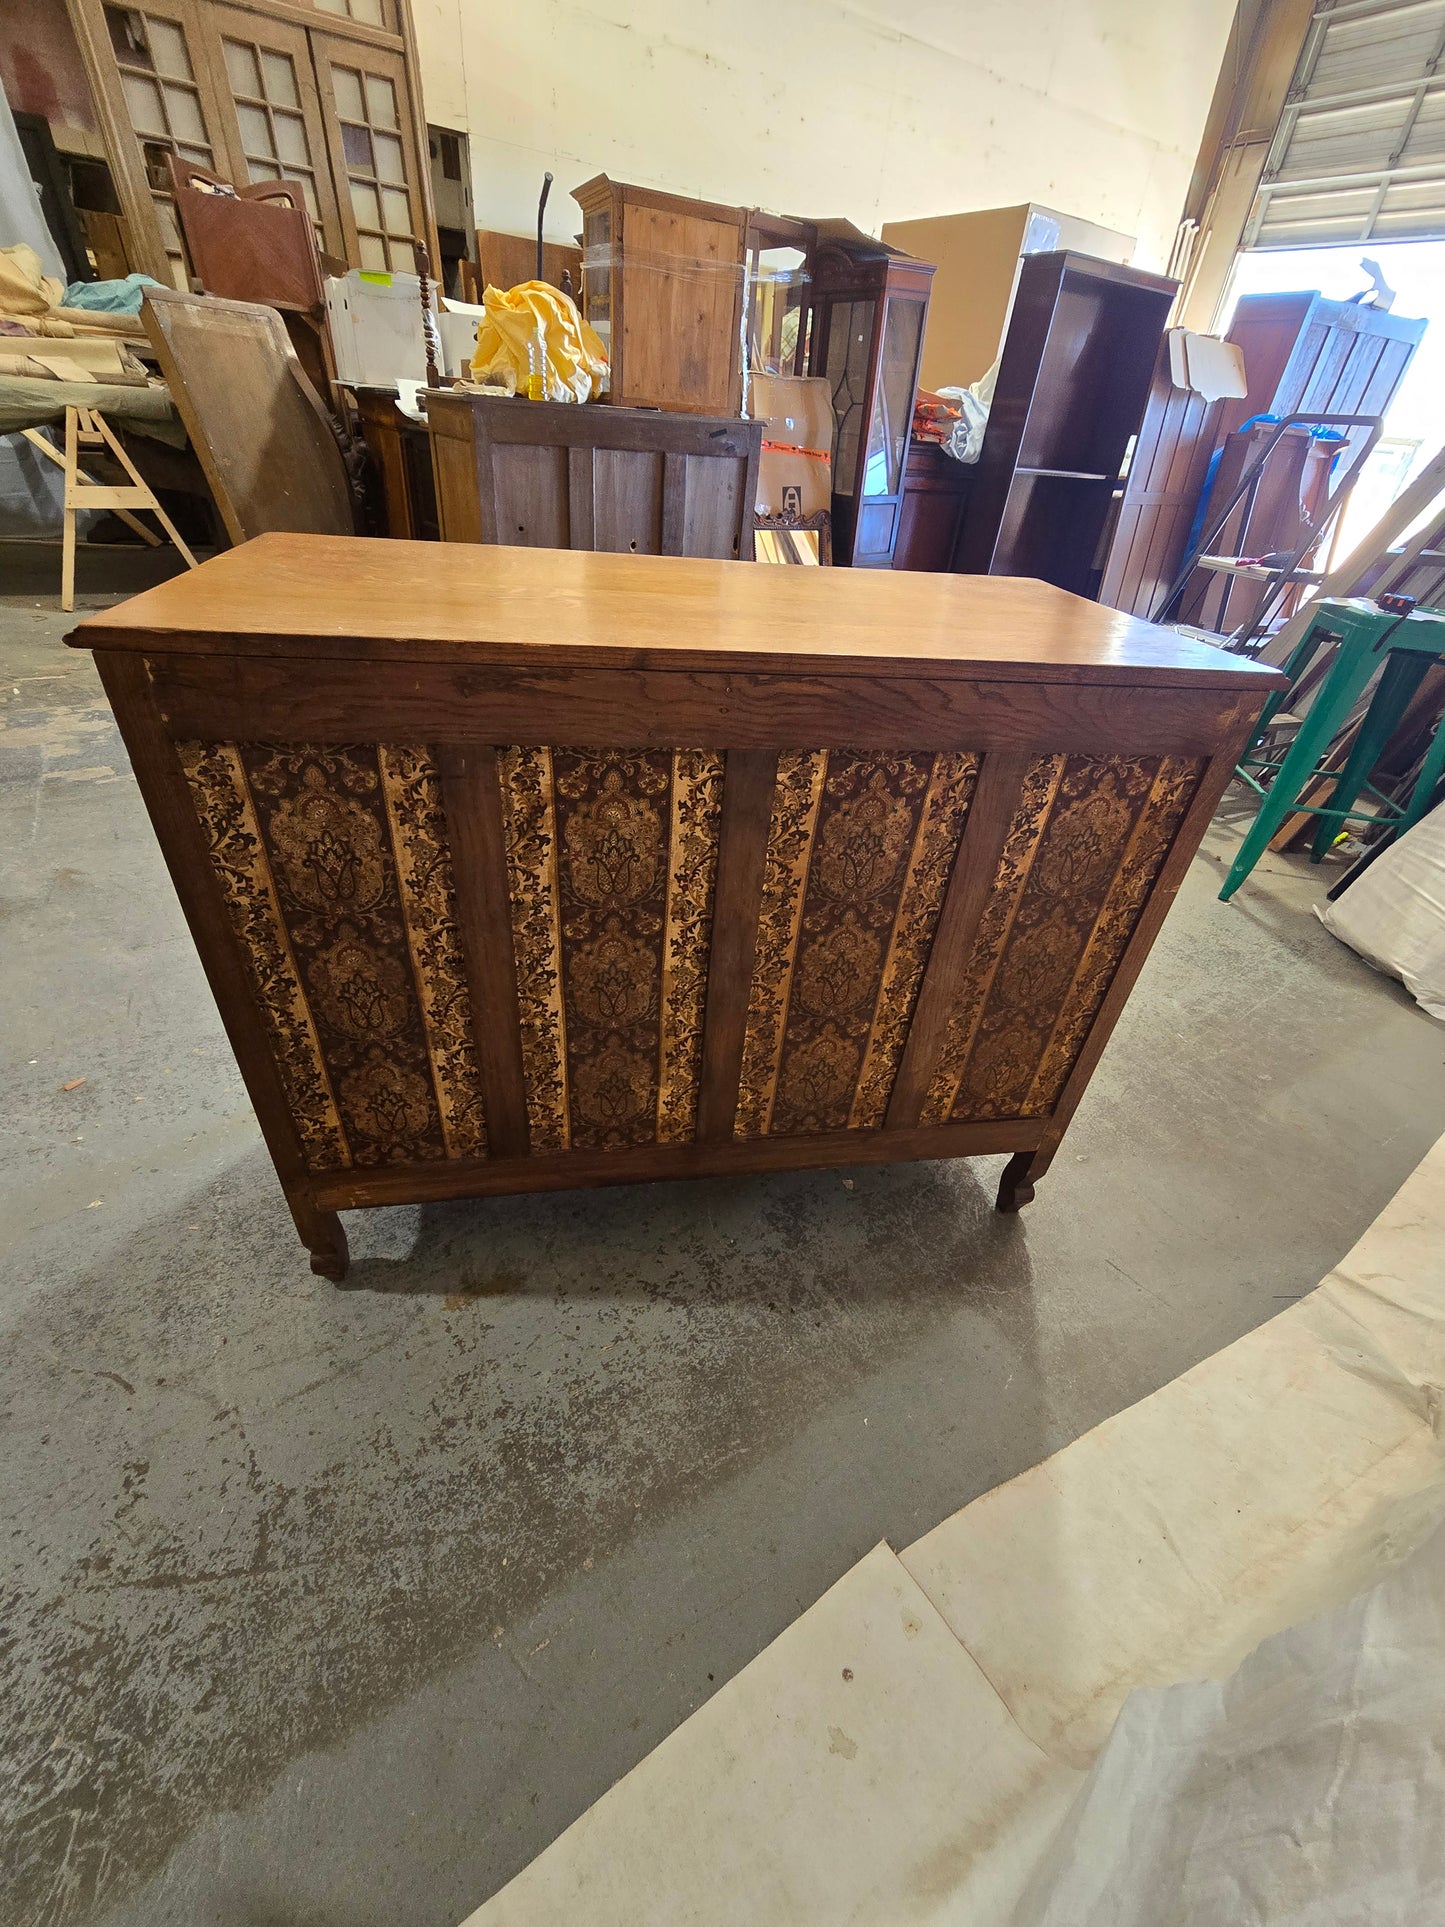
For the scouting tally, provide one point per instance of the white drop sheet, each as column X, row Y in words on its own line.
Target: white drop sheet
column 948, row 1780
column 1306, row 1790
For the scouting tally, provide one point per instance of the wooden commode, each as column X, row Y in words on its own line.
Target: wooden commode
column 519, row 869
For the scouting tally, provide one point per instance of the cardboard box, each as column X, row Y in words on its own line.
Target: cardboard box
column 795, row 470
column 977, row 258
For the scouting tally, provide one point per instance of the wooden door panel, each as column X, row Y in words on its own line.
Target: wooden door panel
column 374, row 159
column 270, row 110
column 683, row 282
column 150, row 66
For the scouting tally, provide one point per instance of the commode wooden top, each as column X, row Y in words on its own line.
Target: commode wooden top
column 313, row 595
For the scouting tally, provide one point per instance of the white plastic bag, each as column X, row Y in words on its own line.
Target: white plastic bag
column 965, row 441
column 1394, row 916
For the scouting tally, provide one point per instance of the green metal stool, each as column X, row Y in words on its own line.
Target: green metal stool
column 1364, row 632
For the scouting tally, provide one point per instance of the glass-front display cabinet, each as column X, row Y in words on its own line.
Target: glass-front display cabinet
column 870, row 310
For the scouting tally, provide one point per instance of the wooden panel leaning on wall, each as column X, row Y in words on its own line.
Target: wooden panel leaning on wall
column 516, row 871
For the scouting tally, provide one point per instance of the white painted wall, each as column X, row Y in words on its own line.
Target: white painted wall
column 874, row 109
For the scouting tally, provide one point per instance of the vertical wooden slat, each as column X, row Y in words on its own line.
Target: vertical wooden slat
column 995, row 799
column 473, row 800
column 674, row 504
column 737, row 905
column 580, row 514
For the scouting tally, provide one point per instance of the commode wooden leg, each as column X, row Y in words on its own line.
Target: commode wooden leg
column 1016, row 1186
column 321, row 1233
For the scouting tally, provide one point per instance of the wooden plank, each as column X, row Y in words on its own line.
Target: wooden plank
column 562, row 1171
column 381, row 427
column 674, row 504
column 718, row 512
column 975, row 868
column 509, row 259
column 213, row 699
column 627, row 503
column 580, row 510
column 742, row 860
column 67, row 549
column 458, row 493
column 473, row 802
column 530, row 495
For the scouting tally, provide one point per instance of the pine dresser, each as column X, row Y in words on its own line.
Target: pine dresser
column 516, row 869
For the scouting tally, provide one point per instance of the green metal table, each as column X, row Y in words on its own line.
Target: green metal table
column 1364, row 634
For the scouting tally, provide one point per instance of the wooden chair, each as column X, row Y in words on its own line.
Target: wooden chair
column 263, row 435
column 257, row 243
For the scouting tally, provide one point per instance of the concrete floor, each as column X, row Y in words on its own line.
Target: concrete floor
column 330, row 1609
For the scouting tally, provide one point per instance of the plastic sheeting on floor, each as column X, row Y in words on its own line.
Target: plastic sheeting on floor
column 1394, row 915
column 916, row 1745
column 1305, row 1789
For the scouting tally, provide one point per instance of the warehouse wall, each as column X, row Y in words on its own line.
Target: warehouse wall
column 875, row 109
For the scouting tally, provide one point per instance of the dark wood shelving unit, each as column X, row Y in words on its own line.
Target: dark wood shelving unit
column 1071, row 390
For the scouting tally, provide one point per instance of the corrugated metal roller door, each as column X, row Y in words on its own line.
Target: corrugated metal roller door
column 1360, row 151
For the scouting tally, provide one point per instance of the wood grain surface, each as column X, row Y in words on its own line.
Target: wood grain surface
column 298, row 595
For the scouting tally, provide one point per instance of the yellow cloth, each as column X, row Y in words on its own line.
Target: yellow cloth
column 24, row 286
column 575, row 361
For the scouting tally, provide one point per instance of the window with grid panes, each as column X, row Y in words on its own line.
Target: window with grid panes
column 165, row 108
column 373, row 12
column 273, row 129
column 370, row 118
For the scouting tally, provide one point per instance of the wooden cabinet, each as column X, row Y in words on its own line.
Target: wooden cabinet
column 663, row 285
column 551, row 475
column 1071, row 389
column 1301, row 352
column 516, row 871
column 936, row 489
column 870, row 310
column 256, row 92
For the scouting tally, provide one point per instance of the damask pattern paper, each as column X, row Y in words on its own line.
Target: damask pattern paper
column 1171, row 795
column 223, row 804
column 612, row 859
column 1082, row 854
column 613, row 811
column 411, row 785
column 328, row 838
column 797, row 794
column 945, row 811
column 531, row 830
column 336, row 867
column 1041, row 781
column 867, row 825
column 860, row 849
